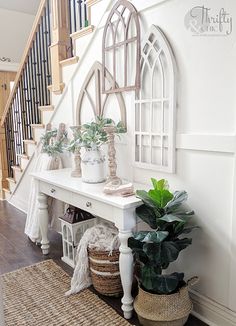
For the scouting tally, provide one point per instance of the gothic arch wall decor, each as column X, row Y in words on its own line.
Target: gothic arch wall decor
column 155, row 105
column 92, row 95
column 121, row 48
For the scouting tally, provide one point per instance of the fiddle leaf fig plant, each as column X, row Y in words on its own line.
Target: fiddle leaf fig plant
column 154, row 250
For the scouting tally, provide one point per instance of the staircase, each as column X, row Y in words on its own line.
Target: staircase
column 60, row 36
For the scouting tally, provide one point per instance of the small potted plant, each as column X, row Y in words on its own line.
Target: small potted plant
column 163, row 298
column 91, row 136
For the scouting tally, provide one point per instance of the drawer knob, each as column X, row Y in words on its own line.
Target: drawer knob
column 53, row 190
column 88, row 204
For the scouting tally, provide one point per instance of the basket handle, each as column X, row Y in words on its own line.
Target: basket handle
column 192, row 281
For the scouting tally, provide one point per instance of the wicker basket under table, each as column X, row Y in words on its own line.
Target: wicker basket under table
column 105, row 272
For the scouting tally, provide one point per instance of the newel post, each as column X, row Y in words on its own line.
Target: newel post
column 3, row 162
column 60, row 41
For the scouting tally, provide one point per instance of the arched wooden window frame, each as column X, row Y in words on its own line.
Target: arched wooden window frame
column 97, row 104
column 156, row 35
column 134, row 39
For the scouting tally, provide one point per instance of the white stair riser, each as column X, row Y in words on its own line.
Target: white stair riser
column 81, row 45
column 67, row 72
column 37, row 133
column 7, row 195
column 12, row 186
column 23, row 163
column 46, row 116
column 17, row 175
column 30, row 148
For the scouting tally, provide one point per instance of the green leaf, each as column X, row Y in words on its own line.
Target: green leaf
column 147, row 214
column 151, row 236
column 168, row 283
column 142, row 194
column 178, row 198
column 137, row 248
column 160, row 197
column 170, row 250
column 171, row 218
column 155, row 236
column 153, row 252
column 148, row 277
column 151, row 280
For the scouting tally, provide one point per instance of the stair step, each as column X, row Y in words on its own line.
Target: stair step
column 24, row 160
column 46, row 113
column 38, row 131
column 24, row 156
column 11, row 184
column 59, row 91
column 69, row 61
column 16, row 168
column 91, row 3
column 46, row 108
column 17, row 173
column 30, row 141
column 39, row 125
column 81, row 33
column 7, row 193
column 6, row 190
column 30, row 148
column 11, row 180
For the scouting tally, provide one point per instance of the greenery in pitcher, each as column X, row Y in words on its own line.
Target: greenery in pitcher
column 154, row 250
column 51, row 144
column 92, row 135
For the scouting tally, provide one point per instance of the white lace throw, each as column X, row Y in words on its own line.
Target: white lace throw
column 43, row 162
column 101, row 237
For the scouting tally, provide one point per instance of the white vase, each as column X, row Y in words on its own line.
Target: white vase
column 93, row 166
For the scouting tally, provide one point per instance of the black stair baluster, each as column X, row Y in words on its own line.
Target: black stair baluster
column 32, row 88
column 23, row 110
column 35, row 83
column 47, row 44
column 43, row 73
column 39, row 66
column 45, row 52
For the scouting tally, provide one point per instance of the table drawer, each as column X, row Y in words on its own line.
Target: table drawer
column 54, row 192
column 93, row 206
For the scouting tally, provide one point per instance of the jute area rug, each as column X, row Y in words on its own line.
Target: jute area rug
column 35, row 296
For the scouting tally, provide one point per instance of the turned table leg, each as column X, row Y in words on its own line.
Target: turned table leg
column 43, row 222
column 126, row 273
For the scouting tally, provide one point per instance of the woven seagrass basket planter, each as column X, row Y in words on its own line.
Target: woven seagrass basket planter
column 104, row 270
column 163, row 310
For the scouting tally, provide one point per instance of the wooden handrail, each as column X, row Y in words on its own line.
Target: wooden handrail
column 24, row 58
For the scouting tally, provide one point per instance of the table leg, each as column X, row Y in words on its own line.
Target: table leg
column 43, row 222
column 126, row 273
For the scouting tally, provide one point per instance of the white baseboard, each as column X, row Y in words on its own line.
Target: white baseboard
column 19, row 204
column 210, row 312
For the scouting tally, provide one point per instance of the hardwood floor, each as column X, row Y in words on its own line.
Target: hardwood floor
column 17, row 251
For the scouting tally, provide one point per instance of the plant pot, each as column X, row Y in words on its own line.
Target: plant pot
column 164, row 310
column 93, row 166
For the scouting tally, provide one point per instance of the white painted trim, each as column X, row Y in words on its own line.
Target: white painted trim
column 18, row 204
column 9, row 66
column 211, row 312
column 223, row 143
column 144, row 5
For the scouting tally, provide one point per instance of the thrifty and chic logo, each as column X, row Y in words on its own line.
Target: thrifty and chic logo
column 204, row 21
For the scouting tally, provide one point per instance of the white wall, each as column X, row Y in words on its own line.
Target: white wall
column 15, row 28
column 206, row 144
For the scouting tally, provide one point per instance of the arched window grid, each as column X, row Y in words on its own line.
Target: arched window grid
column 155, row 149
column 111, row 27
column 97, row 100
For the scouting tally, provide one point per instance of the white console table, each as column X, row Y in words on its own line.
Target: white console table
column 90, row 197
